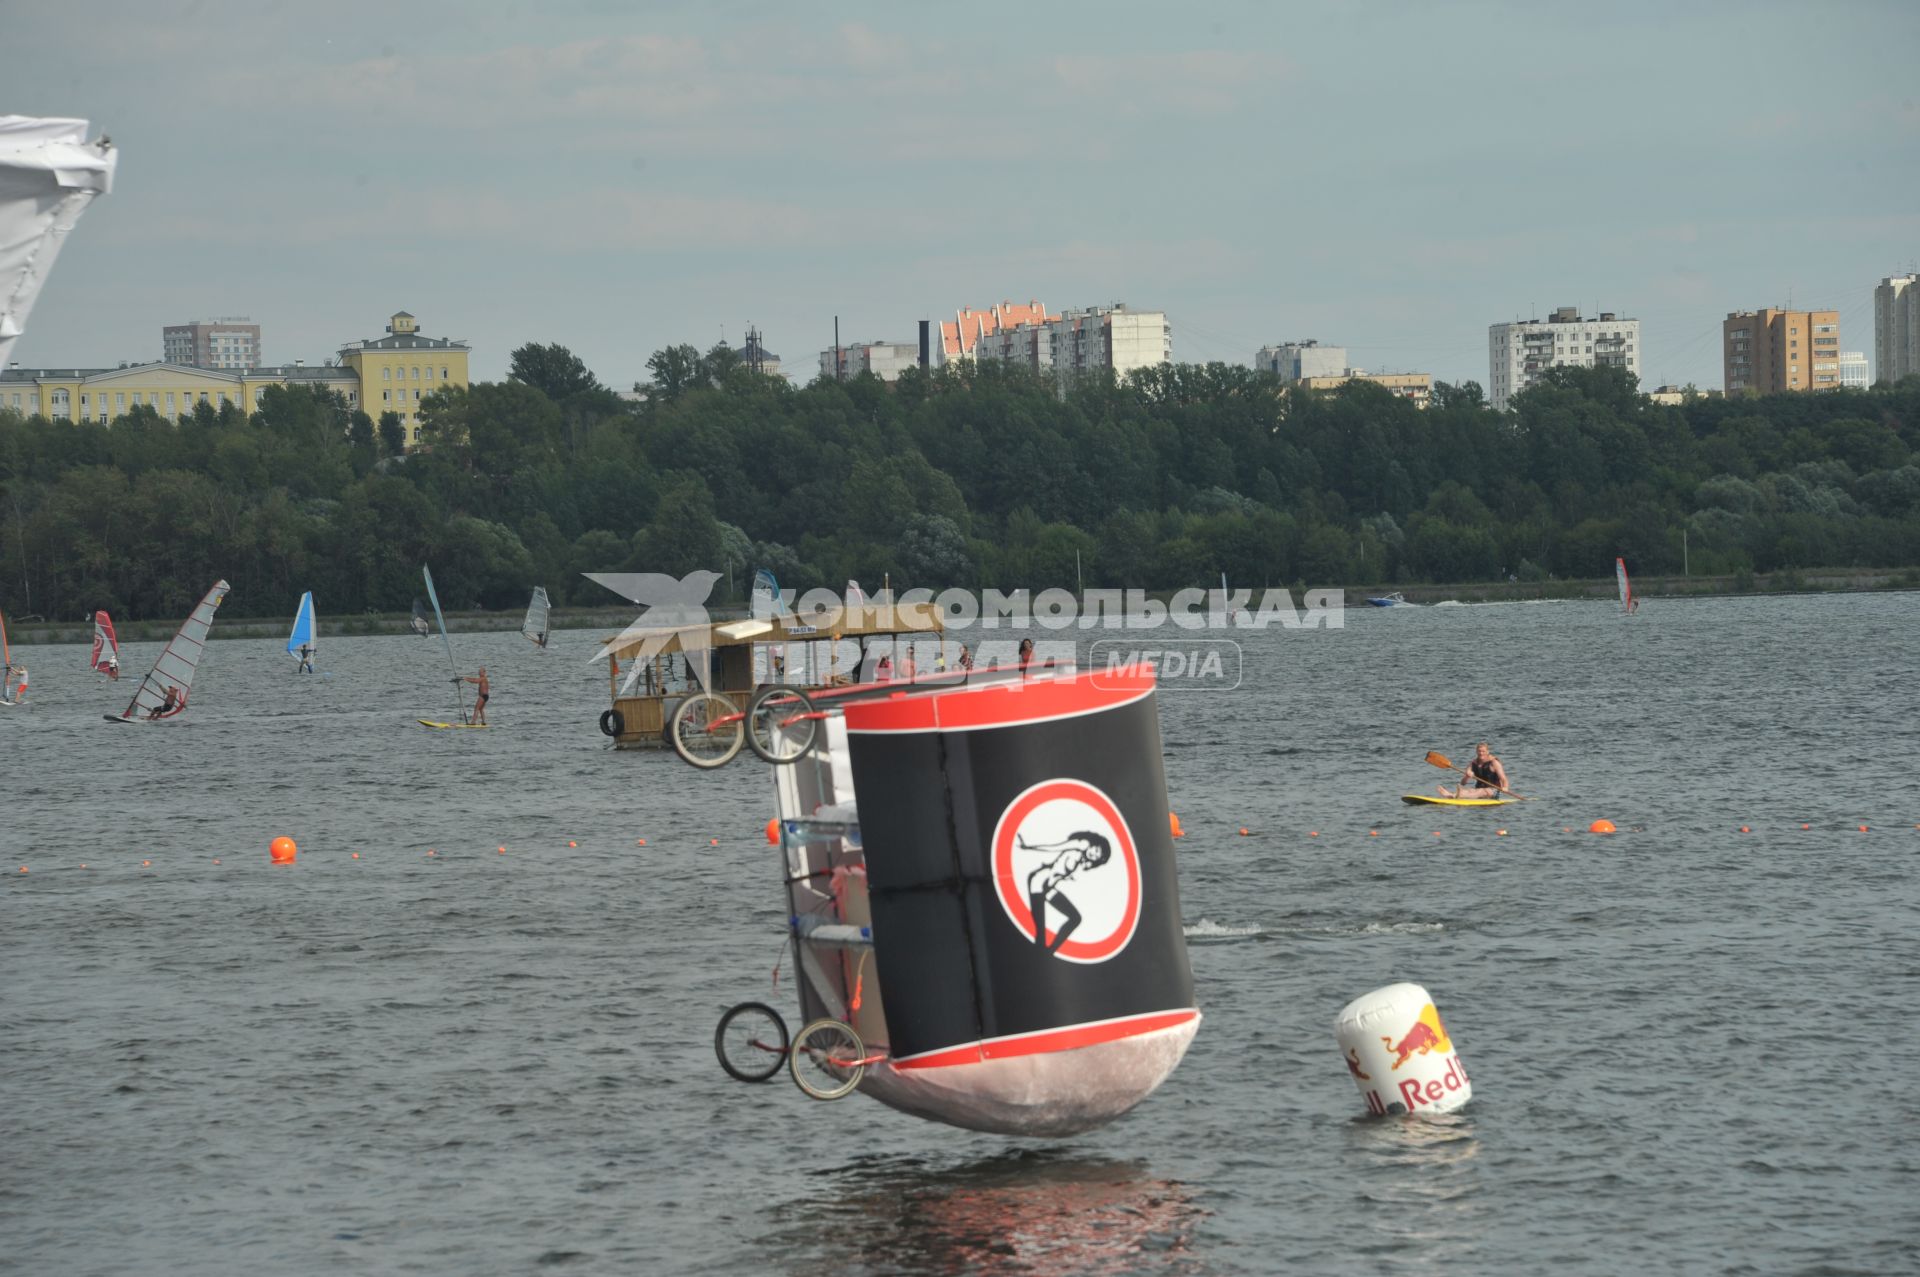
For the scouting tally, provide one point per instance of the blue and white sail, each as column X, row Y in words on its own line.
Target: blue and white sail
column 303, row 643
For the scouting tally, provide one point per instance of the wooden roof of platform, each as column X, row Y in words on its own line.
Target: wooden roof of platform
column 864, row 620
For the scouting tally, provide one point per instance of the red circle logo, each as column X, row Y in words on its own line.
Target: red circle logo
column 1066, row 871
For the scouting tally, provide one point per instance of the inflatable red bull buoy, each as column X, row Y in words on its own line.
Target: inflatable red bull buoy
column 1399, row 1053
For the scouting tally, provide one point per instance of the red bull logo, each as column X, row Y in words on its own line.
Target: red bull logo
column 1426, row 1036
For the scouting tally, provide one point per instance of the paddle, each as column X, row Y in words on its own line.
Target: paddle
column 1441, row 760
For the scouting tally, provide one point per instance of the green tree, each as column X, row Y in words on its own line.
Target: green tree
column 554, row 371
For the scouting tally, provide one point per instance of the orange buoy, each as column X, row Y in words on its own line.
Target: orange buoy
column 1373, row 833
column 1601, row 826
column 713, row 842
column 356, row 855
column 1436, row 833
column 1810, row 826
column 1501, row 832
column 1745, row 830
column 282, row 850
column 773, row 829
column 1173, row 825
column 23, row 868
column 1313, row 833
column 145, row 864
column 431, row 852
column 1863, row 829
column 639, row 842
column 503, row 851
column 1243, row 831
column 572, row 843
column 216, row 860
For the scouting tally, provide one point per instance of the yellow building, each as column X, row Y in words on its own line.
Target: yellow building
column 1417, row 386
column 385, row 374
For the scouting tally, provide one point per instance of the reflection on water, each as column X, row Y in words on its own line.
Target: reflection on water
column 1022, row 1211
column 1421, row 1178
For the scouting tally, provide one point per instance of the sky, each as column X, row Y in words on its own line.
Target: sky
column 615, row 178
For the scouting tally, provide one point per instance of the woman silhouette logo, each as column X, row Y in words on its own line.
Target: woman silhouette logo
column 1066, row 872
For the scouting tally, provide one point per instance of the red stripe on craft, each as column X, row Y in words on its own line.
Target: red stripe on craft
column 1048, row 1041
column 1035, row 700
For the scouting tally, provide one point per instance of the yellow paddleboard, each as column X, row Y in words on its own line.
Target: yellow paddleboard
column 1415, row 800
column 478, row 727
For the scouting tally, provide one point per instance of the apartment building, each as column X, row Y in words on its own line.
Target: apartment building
column 884, row 359
column 1896, row 327
column 1518, row 353
column 1296, row 360
column 212, row 343
column 1768, row 351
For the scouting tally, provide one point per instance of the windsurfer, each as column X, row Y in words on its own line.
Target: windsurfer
column 306, row 658
column 479, row 716
column 1485, row 776
column 168, row 704
column 113, row 668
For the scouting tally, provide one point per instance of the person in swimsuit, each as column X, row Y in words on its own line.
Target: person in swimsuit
column 306, row 659
column 1485, row 777
column 167, row 706
column 479, row 716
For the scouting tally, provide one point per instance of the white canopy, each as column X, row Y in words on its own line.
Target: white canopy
column 49, row 173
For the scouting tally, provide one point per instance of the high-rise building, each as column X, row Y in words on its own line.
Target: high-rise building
column 212, row 343
column 1768, row 352
column 1295, row 360
column 1519, row 352
column 1896, row 327
column 1853, row 370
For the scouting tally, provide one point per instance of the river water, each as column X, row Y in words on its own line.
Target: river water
column 1689, row 1044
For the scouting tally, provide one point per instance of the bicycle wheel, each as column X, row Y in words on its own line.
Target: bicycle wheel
column 827, row 1059
column 751, row 1040
column 706, row 730
column 781, row 724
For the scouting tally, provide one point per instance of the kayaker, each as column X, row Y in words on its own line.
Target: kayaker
column 1485, row 776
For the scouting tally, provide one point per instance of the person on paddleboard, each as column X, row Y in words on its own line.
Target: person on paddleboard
column 1485, row 776
column 479, row 716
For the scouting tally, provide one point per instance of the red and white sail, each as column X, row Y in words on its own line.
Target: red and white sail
column 177, row 663
column 1626, row 587
column 106, row 646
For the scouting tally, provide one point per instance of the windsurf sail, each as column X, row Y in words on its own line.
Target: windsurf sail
column 770, row 661
column 303, row 643
column 1626, row 587
column 106, row 647
column 49, row 174
column 535, row 627
column 174, row 670
column 6, row 660
column 419, row 622
column 459, row 683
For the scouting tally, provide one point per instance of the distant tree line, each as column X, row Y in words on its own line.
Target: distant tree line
column 965, row 476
